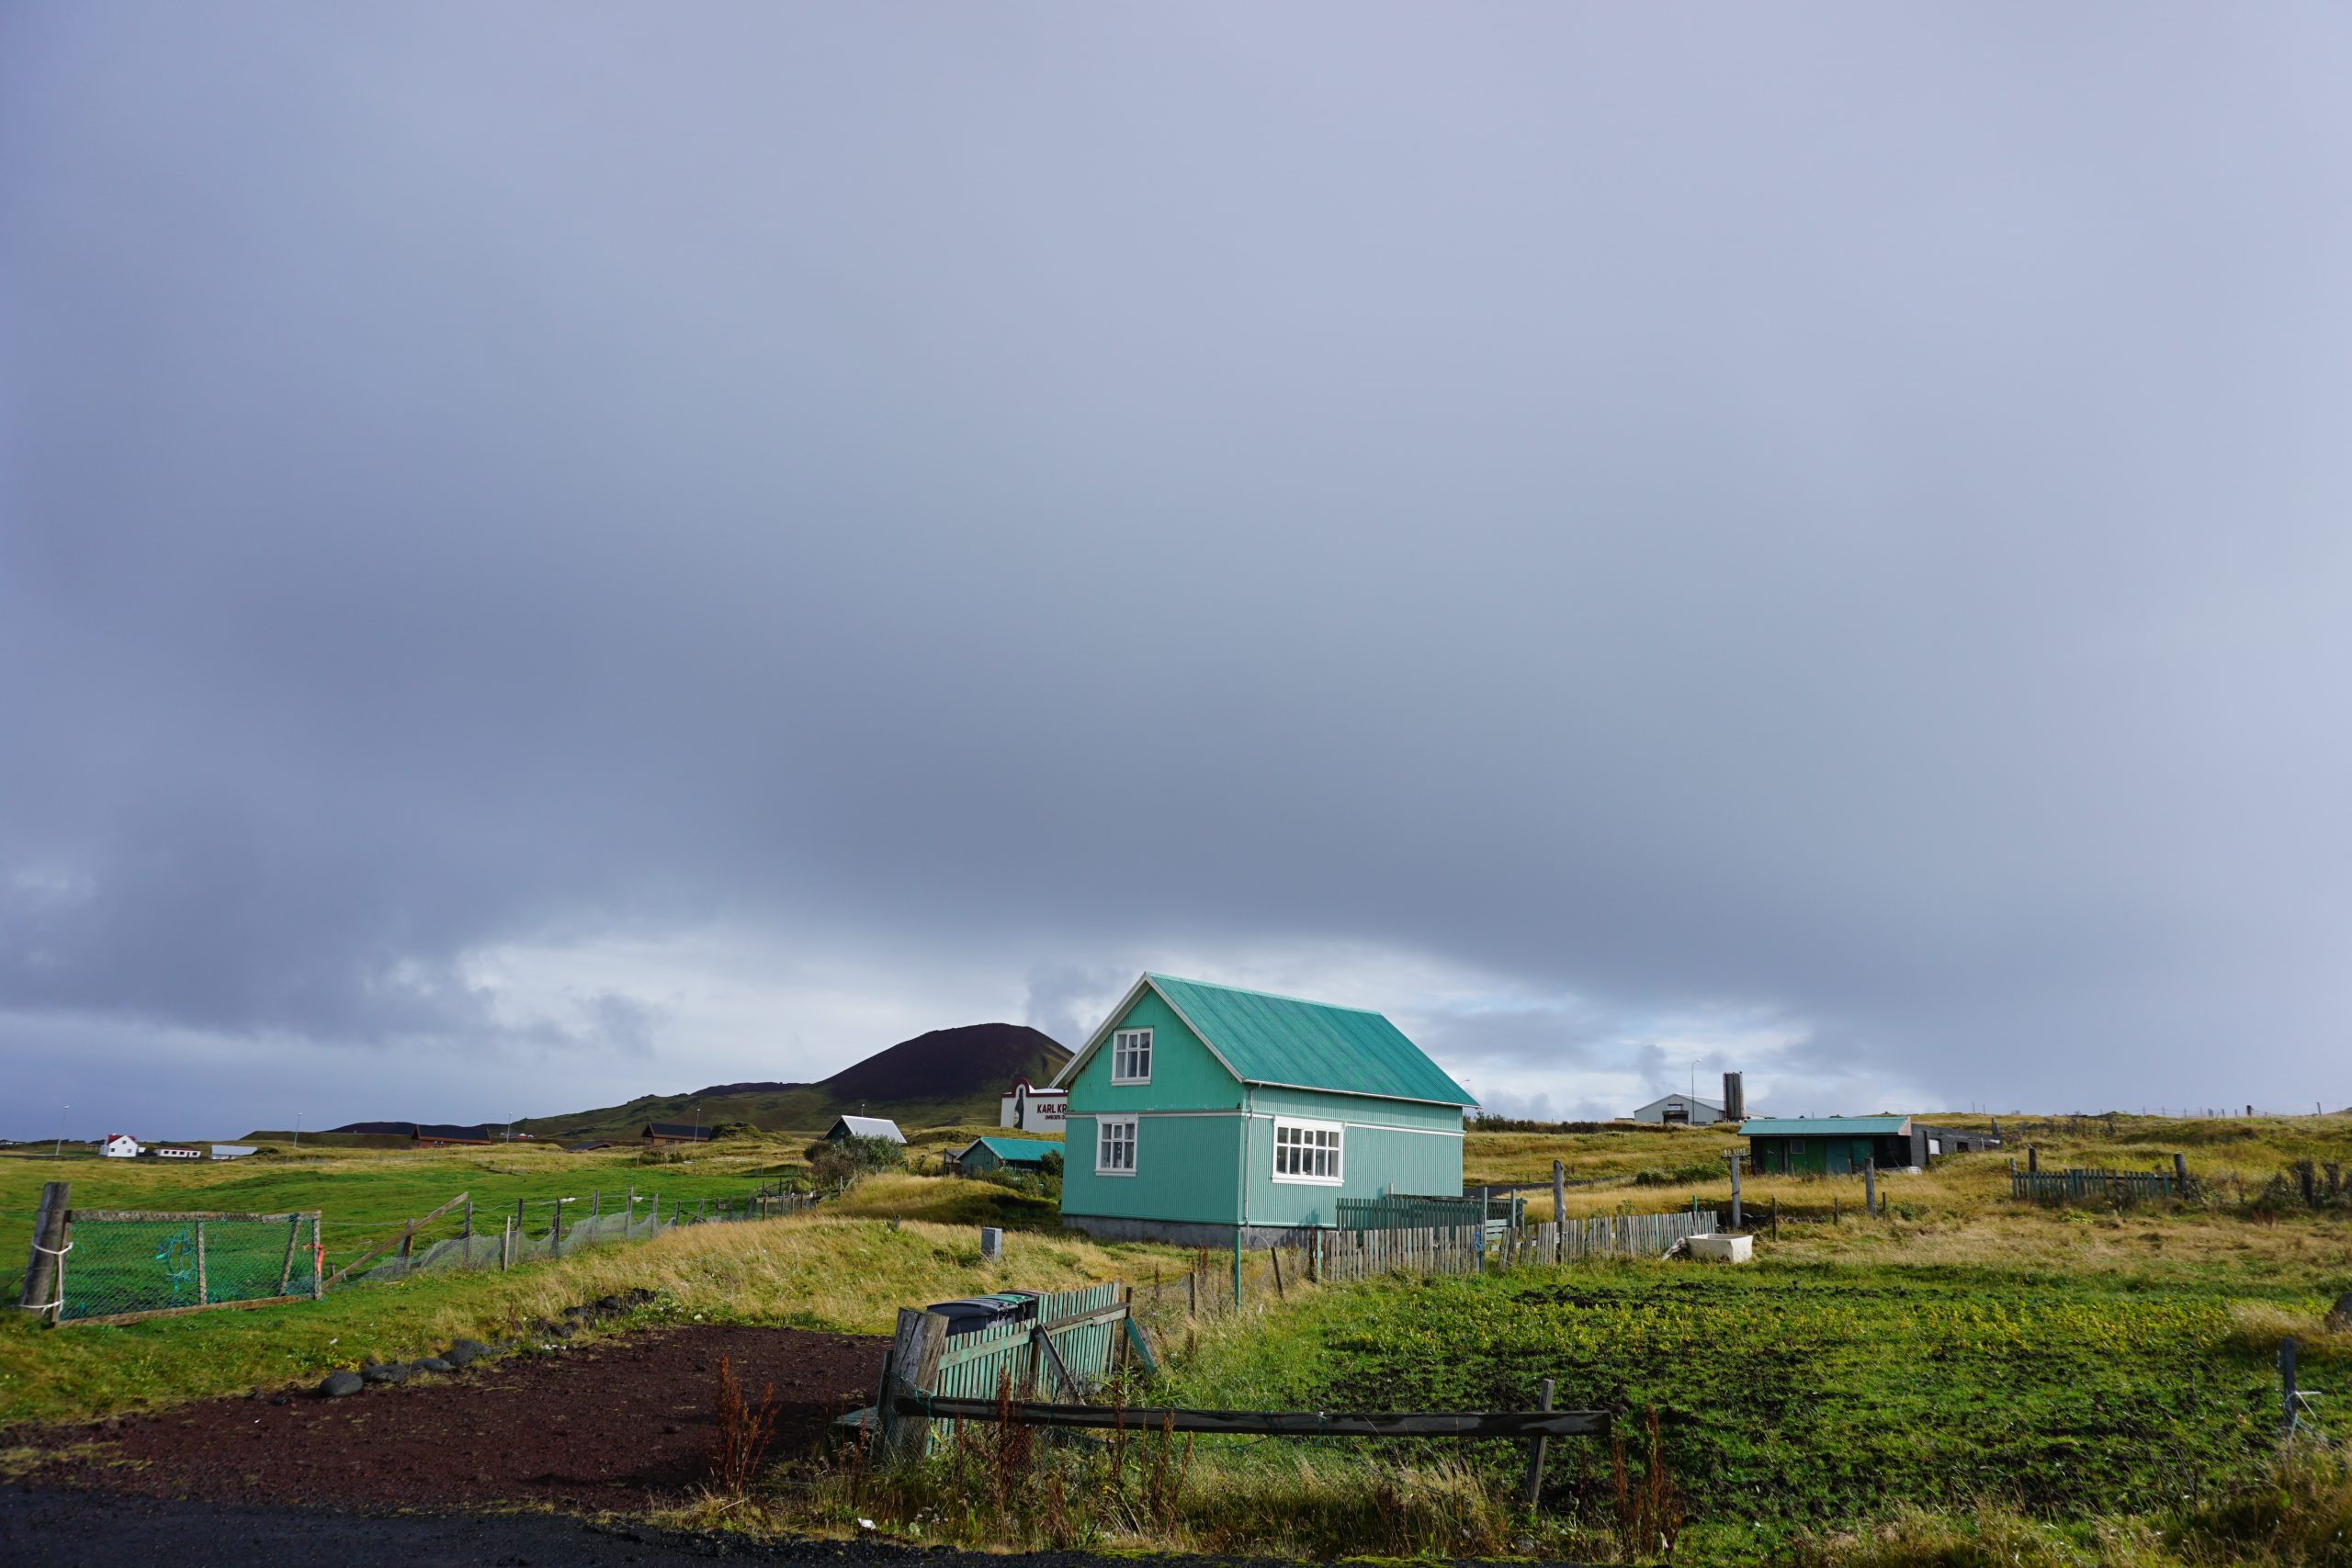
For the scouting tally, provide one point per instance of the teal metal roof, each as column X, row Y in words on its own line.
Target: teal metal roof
column 1826, row 1126
column 1015, row 1148
column 1267, row 1039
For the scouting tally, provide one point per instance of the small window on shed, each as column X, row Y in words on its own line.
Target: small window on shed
column 1935, row 1145
column 1131, row 1056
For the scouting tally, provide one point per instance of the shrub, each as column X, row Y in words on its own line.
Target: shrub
column 836, row 1162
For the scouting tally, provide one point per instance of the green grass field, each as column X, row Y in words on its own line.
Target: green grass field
column 1798, row 1397
column 1964, row 1380
column 363, row 1197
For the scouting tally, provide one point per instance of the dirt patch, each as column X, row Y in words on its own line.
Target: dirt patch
column 621, row 1424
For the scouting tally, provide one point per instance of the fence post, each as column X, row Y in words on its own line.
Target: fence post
column 293, row 1239
column 914, row 1361
column 1535, row 1454
column 2286, row 1387
column 1274, row 1256
column 1559, row 1207
column 1737, row 1218
column 1192, row 1291
column 2179, row 1174
column 468, row 1233
column 44, row 1264
column 203, row 1286
column 318, row 1261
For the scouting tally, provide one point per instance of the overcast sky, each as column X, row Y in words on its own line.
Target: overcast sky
column 550, row 554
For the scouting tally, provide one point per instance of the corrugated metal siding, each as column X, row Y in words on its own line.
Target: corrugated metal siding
column 980, row 1365
column 1375, row 1161
column 1826, row 1126
column 1186, row 1169
column 1282, row 1040
column 1184, row 1075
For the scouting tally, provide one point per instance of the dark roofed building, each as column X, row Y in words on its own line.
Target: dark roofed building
column 443, row 1134
column 1832, row 1145
column 674, row 1132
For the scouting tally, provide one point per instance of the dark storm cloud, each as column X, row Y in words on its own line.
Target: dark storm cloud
column 1662, row 510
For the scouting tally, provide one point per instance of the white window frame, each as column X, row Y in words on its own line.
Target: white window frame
column 1307, row 1148
column 1104, row 1144
column 1123, row 1042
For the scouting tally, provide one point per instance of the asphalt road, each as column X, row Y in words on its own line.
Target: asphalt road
column 70, row 1528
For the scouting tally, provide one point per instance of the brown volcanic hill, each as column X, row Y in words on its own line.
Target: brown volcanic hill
column 949, row 1076
column 950, row 1063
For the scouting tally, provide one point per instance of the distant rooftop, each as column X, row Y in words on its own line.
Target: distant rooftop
column 1826, row 1126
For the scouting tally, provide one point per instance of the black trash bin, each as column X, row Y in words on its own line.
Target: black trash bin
column 969, row 1315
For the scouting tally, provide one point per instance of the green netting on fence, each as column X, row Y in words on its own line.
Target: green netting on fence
column 487, row 1251
column 558, row 1228
column 160, row 1263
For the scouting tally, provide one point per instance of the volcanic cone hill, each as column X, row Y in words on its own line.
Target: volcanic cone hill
column 944, row 1077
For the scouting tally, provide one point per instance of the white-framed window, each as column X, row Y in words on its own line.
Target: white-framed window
column 1131, row 1056
column 1115, row 1145
column 1308, row 1151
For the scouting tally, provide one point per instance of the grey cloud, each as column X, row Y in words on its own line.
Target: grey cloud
column 1842, row 519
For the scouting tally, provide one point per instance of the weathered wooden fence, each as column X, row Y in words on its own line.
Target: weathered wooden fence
column 1367, row 1254
column 1605, row 1235
column 1069, row 1349
column 2053, row 1189
column 931, row 1382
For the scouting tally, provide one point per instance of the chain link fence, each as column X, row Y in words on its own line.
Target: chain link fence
column 535, row 1230
column 111, row 1266
column 116, row 1265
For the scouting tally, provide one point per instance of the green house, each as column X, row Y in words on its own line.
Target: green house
column 1198, row 1112
column 1005, row 1154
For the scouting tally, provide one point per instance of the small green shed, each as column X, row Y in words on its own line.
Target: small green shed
column 1198, row 1112
column 1005, row 1154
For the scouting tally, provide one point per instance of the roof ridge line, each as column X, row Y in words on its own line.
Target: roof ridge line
column 1254, row 991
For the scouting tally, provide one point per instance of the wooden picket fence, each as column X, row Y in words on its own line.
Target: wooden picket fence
column 1367, row 1254
column 2054, row 1188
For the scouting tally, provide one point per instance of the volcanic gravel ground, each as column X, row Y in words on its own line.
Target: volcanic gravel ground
column 621, row 1424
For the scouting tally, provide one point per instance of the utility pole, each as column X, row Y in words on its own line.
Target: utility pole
column 58, row 1150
